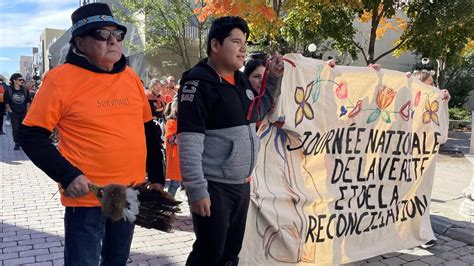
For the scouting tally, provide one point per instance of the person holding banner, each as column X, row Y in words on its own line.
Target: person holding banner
column 254, row 70
column 217, row 142
column 426, row 77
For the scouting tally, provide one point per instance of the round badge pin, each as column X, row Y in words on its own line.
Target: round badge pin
column 250, row 94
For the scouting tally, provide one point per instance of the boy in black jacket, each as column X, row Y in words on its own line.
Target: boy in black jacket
column 217, row 144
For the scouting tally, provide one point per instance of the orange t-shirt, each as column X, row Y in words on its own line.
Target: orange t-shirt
column 172, row 156
column 2, row 91
column 100, row 120
column 230, row 79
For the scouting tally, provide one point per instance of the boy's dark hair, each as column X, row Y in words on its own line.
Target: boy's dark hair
column 252, row 65
column 221, row 28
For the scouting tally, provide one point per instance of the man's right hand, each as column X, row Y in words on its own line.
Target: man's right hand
column 78, row 188
column 202, row 207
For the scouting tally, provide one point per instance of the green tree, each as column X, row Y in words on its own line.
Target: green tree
column 440, row 30
column 166, row 24
column 334, row 20
column 459, row 80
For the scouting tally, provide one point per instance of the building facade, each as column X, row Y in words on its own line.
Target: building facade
column 26, row 67
column 48, row 37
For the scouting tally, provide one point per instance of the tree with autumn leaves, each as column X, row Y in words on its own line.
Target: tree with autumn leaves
column 300, row 22
column 295, row 23
column 438, row 29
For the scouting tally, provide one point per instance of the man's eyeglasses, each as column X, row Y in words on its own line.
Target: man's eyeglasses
column 104, row 35
column 20, row 79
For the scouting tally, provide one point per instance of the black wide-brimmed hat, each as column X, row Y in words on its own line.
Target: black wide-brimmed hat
column 92, row 16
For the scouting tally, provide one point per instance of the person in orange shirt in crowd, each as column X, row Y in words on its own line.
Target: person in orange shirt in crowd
column 173, row 172
column 106, row 131
column 154, row 94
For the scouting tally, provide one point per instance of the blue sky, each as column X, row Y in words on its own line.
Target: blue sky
column 23, row 21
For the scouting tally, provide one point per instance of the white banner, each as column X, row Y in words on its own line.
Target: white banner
column 346, row 166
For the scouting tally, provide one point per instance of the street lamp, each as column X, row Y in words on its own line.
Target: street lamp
column 49, row 62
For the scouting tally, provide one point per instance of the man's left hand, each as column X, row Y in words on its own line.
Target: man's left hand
column 276, row 65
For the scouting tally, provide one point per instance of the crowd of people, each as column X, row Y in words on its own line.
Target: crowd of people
column 113, row 129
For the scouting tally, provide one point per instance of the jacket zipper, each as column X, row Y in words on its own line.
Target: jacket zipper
column 251, row 150
column 249, row 130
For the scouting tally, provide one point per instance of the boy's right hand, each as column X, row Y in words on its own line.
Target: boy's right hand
column 202, row 207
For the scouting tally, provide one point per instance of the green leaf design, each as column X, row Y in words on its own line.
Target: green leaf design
column 315, row 94
column 317, row 84
column 386, row 117
column 373, row 116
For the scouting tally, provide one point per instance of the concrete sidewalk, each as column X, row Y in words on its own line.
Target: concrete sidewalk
column 32, row 232
column 453, row 174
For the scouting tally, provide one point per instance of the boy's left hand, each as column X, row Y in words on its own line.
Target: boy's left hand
column 276, row 65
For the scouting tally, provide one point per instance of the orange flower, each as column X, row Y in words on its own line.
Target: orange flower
column 385, row 97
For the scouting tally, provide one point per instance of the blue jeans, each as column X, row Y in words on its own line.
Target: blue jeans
column 92, row 239
column 173, row 186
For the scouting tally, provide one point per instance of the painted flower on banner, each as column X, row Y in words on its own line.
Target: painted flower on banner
column 280, row 135
column 304, row 107
column 431, row 112
column 417, row 98
column 405, row 111
column 356, row 109
column 341, row 90
column 384, row 99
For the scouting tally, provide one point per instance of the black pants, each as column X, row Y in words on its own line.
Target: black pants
column 2, row 115
column 219, row 237
column 16, row 119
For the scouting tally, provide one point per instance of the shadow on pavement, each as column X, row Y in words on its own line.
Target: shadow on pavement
column 458, row 230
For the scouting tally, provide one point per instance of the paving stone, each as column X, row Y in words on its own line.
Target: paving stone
column 440, row 248
column 50, row 257
column 393, row 261
column 456, row 263
column 414, row 263
column 19, row 261
column 58, row 262
column 15, row 238
column 6, row 256
column 16, row 249
column 455, row 244
column 376, row 263
column 48, row 263
column 468, row 258
column 464, row 250
column 389, row 255
column 47, row 245
column 410, row 257
column 448, row 255
column 432, row 260
column 34, row 252
column 8, row 244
